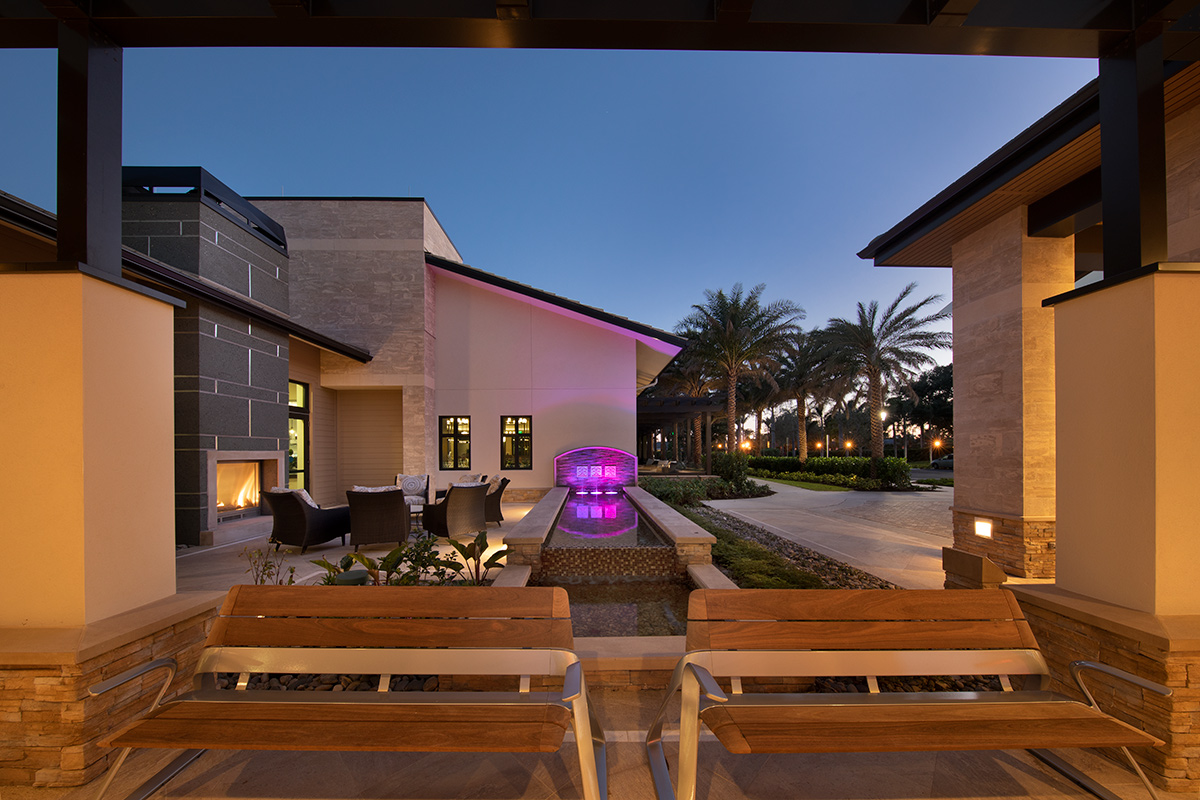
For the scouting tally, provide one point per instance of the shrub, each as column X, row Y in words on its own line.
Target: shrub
column 693, row 491
column 678, row 491
column 730, row 466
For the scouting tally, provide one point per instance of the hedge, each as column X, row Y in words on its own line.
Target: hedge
column 890, row 472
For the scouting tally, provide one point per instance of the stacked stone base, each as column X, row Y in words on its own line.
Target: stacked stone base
column 1164, row 649
column 50, row 728
column 1021, row 546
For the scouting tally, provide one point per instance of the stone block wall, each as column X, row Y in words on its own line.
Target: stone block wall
column 1024, row 548
column 1065, row 635
column 50, row 728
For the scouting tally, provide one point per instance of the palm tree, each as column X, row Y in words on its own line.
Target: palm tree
column 757, row 397
column 886, row 350
column 739, row 336
column 687, row 375
column 803, row 374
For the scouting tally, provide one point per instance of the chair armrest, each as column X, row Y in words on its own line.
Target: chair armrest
column 1079, row 667
column 97, row 689
column 572, row 681
column 708, row 686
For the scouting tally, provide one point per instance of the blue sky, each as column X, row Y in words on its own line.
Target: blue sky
column 632, row 181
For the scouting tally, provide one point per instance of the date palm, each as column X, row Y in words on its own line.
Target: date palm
column 803, row 374
column 688, row 375
column 738, row 336
column 887, row 349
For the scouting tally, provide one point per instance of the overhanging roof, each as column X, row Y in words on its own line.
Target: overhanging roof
column 1061, row 147
column 1071, row 28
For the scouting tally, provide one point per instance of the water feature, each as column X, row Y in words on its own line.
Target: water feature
column 621, row 575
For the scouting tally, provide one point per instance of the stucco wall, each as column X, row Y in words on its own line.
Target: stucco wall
column 86, row 481
column 1129, row 372
column 497, row 355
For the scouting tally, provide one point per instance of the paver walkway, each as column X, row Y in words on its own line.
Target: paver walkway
column 897, row 536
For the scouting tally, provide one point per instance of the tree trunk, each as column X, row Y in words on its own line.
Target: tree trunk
column 758, row 432
column 697, row 441
column 802, row 432
column 875, row 391
column 731, row 411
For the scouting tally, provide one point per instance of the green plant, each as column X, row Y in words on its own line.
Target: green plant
column 677, row 491
column 730, row 466
column 472, row 554
column 423, row 564
column 266, row 567
column 407, row 565
column 749, row 564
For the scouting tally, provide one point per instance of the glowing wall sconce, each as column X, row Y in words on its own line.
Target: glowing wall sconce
column 983, row 527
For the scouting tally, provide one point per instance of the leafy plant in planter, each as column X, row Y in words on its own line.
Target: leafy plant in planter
column 472, row 554
column 407, row 565
column 266, row 567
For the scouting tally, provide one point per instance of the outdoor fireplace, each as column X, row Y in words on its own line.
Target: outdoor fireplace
column 239, row 484
column 234, row 482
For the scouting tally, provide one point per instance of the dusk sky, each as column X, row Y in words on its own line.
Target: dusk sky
column 631, row 181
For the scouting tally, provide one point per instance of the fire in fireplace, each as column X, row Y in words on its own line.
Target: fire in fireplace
column 238, row 487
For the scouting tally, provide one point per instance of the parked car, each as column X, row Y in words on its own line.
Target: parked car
column 945, row 462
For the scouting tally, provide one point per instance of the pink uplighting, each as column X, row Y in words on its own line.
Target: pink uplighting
column 595, row 469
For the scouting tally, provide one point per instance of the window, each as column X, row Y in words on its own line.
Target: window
column 454, row 438
column 516, row 443
column 298, row 414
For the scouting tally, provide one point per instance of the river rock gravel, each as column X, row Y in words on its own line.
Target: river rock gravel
column 834, row 574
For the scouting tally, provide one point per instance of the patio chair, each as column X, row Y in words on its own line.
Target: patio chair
column 460, row 514
column 491, row 503
column 467, row 477
column 379, row 515
column 301, row 523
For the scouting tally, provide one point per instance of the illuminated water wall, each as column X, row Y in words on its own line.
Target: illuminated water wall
column 595, row 469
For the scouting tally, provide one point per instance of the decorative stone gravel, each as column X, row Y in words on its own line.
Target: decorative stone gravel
column 330, row 683
column 834, row 574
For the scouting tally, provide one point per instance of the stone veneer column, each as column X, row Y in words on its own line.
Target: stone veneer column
column 1004, row 393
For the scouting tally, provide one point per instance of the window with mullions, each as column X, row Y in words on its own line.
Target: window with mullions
column 516, row 443
column 454, row 438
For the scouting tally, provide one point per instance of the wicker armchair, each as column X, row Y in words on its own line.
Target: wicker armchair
column 301, row 525
column 491, row 503
column 378, row 517
column 460, row 514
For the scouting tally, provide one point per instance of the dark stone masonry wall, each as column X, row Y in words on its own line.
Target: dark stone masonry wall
column 230, row 374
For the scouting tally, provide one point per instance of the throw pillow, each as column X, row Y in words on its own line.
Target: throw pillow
column 412, row 484
column 376, row 489
column 300, row 493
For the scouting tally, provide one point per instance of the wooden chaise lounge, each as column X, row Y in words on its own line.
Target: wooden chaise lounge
column 524, row 633
column 737, row 634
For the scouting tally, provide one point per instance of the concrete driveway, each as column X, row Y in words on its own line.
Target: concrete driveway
column 897, row 536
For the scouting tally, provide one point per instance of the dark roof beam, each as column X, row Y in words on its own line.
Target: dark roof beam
column 1133, row 153
column 735, row 11
column 1069, row 210
column 950, row 13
